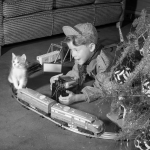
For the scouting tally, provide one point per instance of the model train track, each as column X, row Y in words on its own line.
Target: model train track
column 105, row 135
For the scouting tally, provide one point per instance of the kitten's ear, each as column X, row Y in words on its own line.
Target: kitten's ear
column 13, row 55
column 24, row 56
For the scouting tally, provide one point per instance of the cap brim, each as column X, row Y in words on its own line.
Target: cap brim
column 69, row 31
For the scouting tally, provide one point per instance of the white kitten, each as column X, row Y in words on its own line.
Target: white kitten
column 18, row 73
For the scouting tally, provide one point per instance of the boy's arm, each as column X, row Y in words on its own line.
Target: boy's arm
column 91, row 93
column 74, row 72
column 102, row 83
column 96, row 91
column 101, row 87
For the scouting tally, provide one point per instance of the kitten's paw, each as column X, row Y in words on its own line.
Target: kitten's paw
column 16, row 87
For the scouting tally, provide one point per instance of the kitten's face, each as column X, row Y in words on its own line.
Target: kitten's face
column 19, row 61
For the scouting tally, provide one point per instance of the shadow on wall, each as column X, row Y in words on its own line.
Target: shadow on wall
column 131, row 5
column 130, row 10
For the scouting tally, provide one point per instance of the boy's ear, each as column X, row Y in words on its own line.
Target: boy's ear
column 92, row 47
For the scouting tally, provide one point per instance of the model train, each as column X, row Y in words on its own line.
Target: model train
column 71, row 117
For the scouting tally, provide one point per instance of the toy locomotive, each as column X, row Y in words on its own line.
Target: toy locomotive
column 71, row 117
column 62, row 84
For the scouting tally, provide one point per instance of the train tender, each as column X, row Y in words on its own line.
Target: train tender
column 72, row 118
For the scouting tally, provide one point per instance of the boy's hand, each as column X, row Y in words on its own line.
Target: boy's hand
column 53, row 79
column 68, row 99
column 71, row 98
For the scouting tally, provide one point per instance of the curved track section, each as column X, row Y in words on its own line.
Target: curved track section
column 105, row 135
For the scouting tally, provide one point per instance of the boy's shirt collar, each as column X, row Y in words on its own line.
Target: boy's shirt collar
column 87, row 67
column 93, row 62
column 91, row 67
column 100, row 64
column 94, row 55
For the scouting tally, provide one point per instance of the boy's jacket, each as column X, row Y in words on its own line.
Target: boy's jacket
column 96, row 69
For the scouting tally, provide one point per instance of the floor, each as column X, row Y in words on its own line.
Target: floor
column 22, row 129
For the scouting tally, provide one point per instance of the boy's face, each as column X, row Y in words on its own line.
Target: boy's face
column 80, row 53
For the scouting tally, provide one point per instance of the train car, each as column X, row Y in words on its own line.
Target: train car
column 73, row 118
column 36, row 100
column 76, row 118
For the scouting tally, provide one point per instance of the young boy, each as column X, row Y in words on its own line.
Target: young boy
column 89, row 61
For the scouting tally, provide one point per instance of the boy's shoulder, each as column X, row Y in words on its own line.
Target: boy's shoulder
column 100, row 63
column 102, row 60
